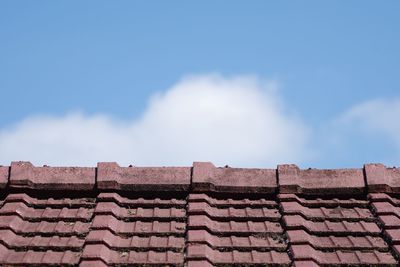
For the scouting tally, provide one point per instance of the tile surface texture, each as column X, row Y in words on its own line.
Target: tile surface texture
column 201, row 215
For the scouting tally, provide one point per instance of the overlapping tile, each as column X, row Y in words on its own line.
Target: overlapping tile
column 331, row 202
column 223, row 217
column 342, row 257
column 113, row 257
column 199, row 252
column 4, row 174
column 35, row 233
column 207, row 177
column 387, row 210
column 136, row 231
column 111, row 176
column 38, row 258
column 25, row 175
column 234, row 231
column 231, row 202
column 381, row 179
column 141, row 202
column 320, row 182
column 339, row 232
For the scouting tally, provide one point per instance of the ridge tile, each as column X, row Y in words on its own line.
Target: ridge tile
column 317, row 182
column 25, row 175
column 207, row 177
column 381, row 179
column 111, row 176
column 4, row 172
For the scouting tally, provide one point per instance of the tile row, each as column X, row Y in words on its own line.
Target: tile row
column 203, row 177
column 234, row 231
column 109, row 229
column 387, row 209
column 326, row 232
column 200, row 230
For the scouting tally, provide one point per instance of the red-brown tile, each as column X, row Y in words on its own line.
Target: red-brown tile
column 108, row 222
column 396, row 249
column 247, row 213
column 37, row 214
column 14, row 241
column 296, row 222
column 393, row 235
column 381, row 179
column 4, row 173
column 349, row 242
column 25, row 175
column 317, row 182
column 134, row 242
column 389, row 221
column 111, row 208
column 199, row 263
column 111, row 257
column 141, row 202
column 204, row 252
column 306, row 263
column 232, row 227
column 50, row 202
column 386, row 208
column 327, row 203
column 257, row 241
column 92, row 263
column 322, row 213
column 20, row 226
column 42, row 258
column 306, row 252
column 382, row 197
column 206, row 177
column 232, row 203
column 111, row 176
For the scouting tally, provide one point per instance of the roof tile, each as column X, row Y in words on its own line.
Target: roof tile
column 322, row 213
column 4, row 173
column 297, row 222
column 349, row 242
column 317, row 182
column 129, row 228
column 112, row 257
column 204, row 252
column 229, row 216
column 382, row 179
column 37, row 242
column 111, row 176
column 140, row 213
column 20, row 226
column 37, row 214
column 234, row 203
column 206, row 177
column 306, row 252
column 30, row 257
column 141, row 202
column 328, row 203
column 50, row 202
column 258, row 241
column 117, row 242
column 247, row 213
column 233, row 227
column 25, row 175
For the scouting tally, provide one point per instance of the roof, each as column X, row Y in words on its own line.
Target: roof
column 199, row 215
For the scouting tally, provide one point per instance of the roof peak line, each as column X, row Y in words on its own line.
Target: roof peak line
column 202, row 177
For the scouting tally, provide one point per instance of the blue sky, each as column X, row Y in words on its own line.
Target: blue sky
column 328, row 71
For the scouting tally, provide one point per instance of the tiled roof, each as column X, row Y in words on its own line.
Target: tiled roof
column 199, row 216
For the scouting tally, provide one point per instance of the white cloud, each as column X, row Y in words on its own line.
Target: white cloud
column 239, row 121
column 376, row 116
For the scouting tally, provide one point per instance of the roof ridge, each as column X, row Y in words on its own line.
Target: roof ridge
column 203, row 177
